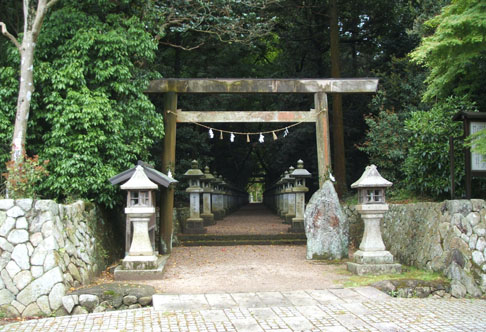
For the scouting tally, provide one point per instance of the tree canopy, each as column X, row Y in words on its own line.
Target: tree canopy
column 93, row 60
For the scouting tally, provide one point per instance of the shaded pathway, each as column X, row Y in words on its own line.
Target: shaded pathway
column 249, row 219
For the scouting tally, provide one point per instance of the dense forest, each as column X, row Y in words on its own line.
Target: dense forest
column 88, row 117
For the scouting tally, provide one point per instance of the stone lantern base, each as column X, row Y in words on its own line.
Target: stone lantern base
column 297, row 225
column 373, row 262
column 141, row 268
column 194, row 226
column 208, row 219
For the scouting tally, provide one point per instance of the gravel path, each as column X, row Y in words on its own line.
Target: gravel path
column 192, row 270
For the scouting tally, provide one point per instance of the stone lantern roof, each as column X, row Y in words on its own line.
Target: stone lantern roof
column 371, row 178
column 139, row 181
column 152, row 174
column 208, row 176
column 300, row 171
column 194, row 171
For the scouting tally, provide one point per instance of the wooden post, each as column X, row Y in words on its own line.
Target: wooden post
column 168, row 163
column 322, row 136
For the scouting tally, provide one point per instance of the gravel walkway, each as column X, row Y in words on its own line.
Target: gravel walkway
column 192, row 270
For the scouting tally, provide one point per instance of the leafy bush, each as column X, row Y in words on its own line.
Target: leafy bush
column 427, row 163
column 23, row 175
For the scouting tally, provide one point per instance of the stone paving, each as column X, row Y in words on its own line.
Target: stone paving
column 336, row 310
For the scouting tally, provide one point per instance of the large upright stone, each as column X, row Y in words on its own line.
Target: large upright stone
column 326, row 226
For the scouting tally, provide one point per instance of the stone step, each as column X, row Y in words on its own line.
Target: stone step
column 241, row 239
column 187, row 243
column 210, row 237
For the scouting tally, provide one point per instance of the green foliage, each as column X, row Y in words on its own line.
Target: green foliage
column 455, row 53
column 90, row 117
column 23, row 175
column 427, row 163
column 386, row 144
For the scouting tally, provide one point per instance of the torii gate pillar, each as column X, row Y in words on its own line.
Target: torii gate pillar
column 168, row 164
column 322, row 136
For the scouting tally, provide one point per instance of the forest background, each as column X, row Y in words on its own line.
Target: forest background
column 90, row 119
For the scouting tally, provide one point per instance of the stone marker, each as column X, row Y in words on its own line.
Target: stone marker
column 326, row 227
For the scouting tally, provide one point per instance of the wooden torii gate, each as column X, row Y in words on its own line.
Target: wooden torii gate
column 171, row 87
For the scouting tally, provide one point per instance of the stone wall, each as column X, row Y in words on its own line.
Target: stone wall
column 447, row 237
column 46, row 248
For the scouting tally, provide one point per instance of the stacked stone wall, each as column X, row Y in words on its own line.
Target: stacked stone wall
column 447, row 237
column 45, row 249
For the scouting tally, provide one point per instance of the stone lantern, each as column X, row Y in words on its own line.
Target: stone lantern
column 299, row 174
column 140, row 208
column 207, row 185
column 372, row 258
column 194, row 224
column 142, row 261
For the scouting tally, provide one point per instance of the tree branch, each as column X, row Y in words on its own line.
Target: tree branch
column 51, row 3
column 9, row 35
column 180, row 46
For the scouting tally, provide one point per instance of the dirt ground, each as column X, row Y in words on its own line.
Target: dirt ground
column 191, row 270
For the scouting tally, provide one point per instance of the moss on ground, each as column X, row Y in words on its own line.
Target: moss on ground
column 407, row 273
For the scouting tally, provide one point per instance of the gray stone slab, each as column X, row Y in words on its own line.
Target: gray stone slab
column 165, row 302
column 214, row 315
column 298, row 323
column 310, row 311
column 357, row 308
column 388, row 327
column 300, row 298
column 220, row 300
column 372, row 293
column 247, row 300
column 273, row 299
column 348, row 294
column 263, row 313
column 334, row 329
column 323, row 296
column 246, row 325
column 194, row 301
column 350, row 320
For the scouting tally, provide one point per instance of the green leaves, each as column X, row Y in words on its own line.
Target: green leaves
column 91, row 118
column 427, row 163
column 455, row 51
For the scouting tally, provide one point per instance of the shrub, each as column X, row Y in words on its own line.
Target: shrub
column 427, row 163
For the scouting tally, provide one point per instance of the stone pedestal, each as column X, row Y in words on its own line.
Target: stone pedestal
column 207, row 216
column 372, row 258
column 194, row 224
column 297, row 225
column 291, row 210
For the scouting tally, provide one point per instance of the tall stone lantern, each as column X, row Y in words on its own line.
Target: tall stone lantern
column 140, row 209
column 299, row 174
column 194, row 224
column 372, row 258
column 207, row 185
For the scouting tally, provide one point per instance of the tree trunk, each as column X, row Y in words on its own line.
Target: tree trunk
column 33, row 18
column 26, row 89
column 339, row 159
